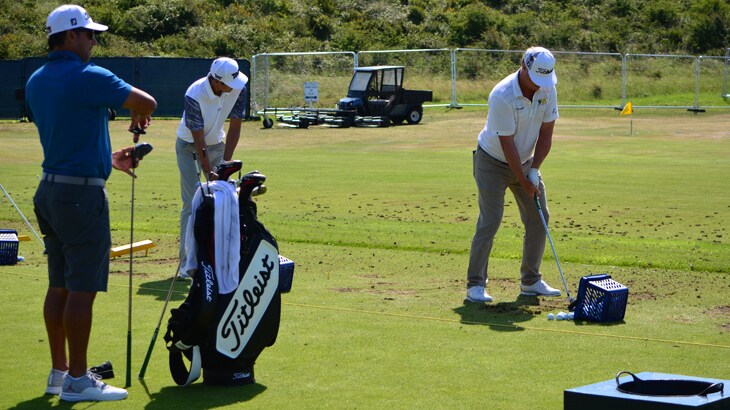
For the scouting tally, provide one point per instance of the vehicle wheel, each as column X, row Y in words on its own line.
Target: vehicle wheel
column 268, row 123
column 414, row 115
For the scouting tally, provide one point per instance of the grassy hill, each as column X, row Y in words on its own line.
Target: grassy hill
column 241, row 28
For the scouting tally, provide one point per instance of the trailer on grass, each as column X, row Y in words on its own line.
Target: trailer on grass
column 375, row 98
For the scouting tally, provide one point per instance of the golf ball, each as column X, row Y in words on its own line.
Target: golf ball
column 21, row 259
column 561, row 316
column 570, row 316
column 551, row 316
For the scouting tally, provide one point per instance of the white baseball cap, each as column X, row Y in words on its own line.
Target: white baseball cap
column 225, row 70
column 540, row 65
column 69, row 17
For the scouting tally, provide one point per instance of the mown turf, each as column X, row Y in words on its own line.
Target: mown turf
column 379, row 223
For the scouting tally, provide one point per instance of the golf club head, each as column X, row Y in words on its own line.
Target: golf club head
column 259, row 190
column 104, row 370
column 251, row 181
column 140, row 150
column 228, row 168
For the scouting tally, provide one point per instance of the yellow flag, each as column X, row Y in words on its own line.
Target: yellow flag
column 628, row 109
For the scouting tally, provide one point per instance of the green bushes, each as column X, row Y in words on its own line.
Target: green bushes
column 240, row 28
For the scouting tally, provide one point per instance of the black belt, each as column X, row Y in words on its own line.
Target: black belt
column 67, row 179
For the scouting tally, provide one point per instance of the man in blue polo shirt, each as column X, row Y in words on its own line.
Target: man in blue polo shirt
column 69, row 98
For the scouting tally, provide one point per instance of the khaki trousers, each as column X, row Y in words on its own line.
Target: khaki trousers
column 493, row 177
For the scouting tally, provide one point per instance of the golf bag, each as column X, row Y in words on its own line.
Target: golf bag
column 224, row 333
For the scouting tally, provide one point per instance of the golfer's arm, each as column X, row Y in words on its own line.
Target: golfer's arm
column 544, row 143
column 200, row 150
column 232, row 137
column 140, row 102
column 513, row 158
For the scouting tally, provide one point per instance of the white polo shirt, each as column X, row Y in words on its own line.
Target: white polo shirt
column 510, row 113
column 207, row 111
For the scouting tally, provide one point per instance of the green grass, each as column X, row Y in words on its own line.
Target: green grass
column 379, row 222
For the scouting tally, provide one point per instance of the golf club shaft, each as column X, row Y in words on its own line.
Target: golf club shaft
column 552, row 246
column 159, row 323
column 22, row 216
column 129, row 303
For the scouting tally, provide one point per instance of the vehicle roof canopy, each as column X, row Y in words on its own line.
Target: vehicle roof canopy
column 379, row 67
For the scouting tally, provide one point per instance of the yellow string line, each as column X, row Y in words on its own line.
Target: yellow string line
column 448, row 320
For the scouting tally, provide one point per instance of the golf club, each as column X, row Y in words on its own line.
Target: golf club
column 22, row 216
column 138, row 152
column 552, row 245
column 159, row 323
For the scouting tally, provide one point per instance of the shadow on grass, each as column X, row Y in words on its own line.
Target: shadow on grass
column 202, row 396
column 502, row 316
column 159, row 289
column 195, row 396
column 42, row 402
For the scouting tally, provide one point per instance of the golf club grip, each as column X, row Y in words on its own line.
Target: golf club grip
column 149, row 354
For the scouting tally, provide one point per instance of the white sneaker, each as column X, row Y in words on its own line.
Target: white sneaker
column 55, row 382
column 90, row 388
column 538, row 289
column 477, row 294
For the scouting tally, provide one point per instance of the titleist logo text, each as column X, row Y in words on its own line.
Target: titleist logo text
column 239, row 318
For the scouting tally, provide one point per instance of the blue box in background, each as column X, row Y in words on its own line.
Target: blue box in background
column 8, row 246
column 286, row 274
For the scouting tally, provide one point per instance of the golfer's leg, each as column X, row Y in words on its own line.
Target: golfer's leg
column 189, row 179
column 77, row 325
column 491, row 184
column 215, row 154
column 53, row 310
column 533, row 244
column 55, row 301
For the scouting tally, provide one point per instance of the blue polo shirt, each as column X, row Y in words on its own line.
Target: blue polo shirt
column 69, row 101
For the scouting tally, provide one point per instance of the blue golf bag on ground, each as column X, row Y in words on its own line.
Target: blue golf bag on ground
column 224, row 333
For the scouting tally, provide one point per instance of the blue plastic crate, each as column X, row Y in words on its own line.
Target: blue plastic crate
column 286, row 274
column 8, row 247
column 601, row 299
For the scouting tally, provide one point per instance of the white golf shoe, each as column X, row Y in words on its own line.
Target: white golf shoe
column 477, row 294
column 539, row 288
column 90, row 388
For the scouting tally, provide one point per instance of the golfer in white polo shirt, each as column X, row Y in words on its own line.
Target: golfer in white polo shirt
column 208, row 102
column 515, row 141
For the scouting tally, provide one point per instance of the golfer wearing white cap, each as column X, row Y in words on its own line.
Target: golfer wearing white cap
column 515, row 141
column 69, row 98
column 208, row 102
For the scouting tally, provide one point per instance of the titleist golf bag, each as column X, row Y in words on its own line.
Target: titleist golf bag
column 224, row 333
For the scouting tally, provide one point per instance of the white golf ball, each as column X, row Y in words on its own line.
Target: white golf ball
column 551, row 316
column 561, row 316
column 571, row 316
